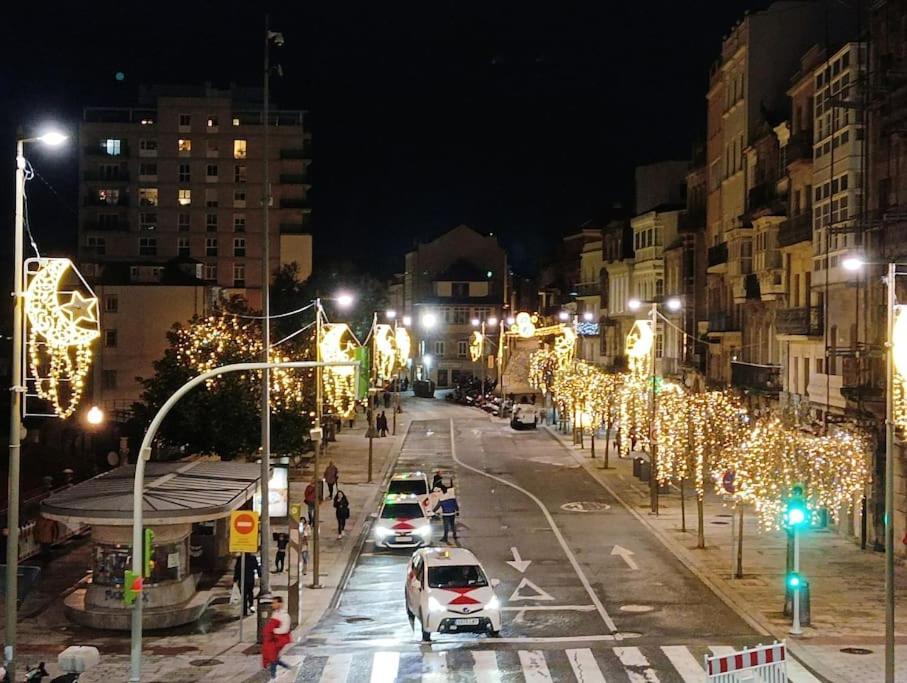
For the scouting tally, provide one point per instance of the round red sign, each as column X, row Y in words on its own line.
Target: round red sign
column 727, row 481
column 244, row 524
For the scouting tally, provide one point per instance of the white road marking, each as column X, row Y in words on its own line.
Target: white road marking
column 434, row 667
column 557, row 532
column 517, row 562
column 535, row 669
column 685, row 663
column 633, row 658
column 626, row 555
column 337, row 669
column 585, row 668
column 552, row 608
column 486, row 666
column 385, row 666
column 526, row 583
column 390, row 642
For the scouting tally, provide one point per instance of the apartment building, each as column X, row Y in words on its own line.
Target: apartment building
column 588, row 295
column 180, row 175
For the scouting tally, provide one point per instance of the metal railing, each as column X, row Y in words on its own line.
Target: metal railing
column 718, row 254
column 806, row 321
column 586, row 288
column 754, row 377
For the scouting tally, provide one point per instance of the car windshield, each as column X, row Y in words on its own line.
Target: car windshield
column 401, row 511
column 411, row 486
column 457, row 576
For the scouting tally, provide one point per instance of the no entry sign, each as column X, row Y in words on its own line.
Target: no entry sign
column 243, row 531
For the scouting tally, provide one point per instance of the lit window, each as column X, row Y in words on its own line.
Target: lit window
column 235, row 120
column 211, row 222
column 239, row 222
column 239, row 174
column 110, row 339
column 148, row 221
column 239, row 246
column 148, row 196
column 211, row 246
column 112, row 146
column 212, row 122
column 239, row 199
column 184, row 145
column 182, row 246
column 239, row 275
column 184, row 174
column 211, row 173
column 182, row 222
column 184, row 197
column 185, row 121
column 239, row 149
column 109, row 196
column 211, row 271
column 147, row 246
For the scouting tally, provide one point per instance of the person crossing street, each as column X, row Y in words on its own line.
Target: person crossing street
column 450, row 510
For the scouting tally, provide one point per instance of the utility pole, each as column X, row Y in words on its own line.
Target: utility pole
column 889, row 475
column 653, row 460
column 319, row 414
column 372, row 386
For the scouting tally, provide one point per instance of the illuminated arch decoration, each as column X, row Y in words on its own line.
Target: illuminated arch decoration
column 336, row 344
column 403, row 346
column 385, row 351
column 524, row 325
column 476, row 346
column 60, row 326
column 899, row 357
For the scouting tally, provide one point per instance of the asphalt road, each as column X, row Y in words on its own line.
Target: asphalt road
column 600, row 598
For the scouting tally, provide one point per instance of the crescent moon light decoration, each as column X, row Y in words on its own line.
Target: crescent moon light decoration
column 385, row 353
column 60, row 327
column 339, row 383
column 476, row 346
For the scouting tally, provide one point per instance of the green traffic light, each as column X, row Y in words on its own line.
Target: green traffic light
column 796, row 516
column 793, row 580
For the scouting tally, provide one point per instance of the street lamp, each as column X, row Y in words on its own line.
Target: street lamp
column 94, row 416
column 344, row 299
column 674, row 304
column 564, row 316
column 634, row 304
column 391, row 314
column 407, row 321
column 429, row 320
column 588, row 316
column 51, row 138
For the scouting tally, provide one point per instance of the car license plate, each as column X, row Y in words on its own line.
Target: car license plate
column 404, row 539
column 466, row 622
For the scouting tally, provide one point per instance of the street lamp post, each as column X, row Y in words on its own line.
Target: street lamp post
column 15, row 404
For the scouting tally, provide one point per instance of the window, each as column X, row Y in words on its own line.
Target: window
column 109, row 196
column 185, row 121
column 133, row 273
column 147, row 171
column 212, row 123
column 148, row 196
column 182, row 246
column 111, row 303
column 211, row 222
column 211, row 148
column 147, row 221
column 239, row 199
column 439, row 348
column 148, row 147
column 184, row 175
column 211, row 198
column 460, row 315
column 211, row 271
column 459, row 290
column 820, row 365
column 110, row 339
column 462, row 348
column 109, row 379
column 239, row 174
column 112, row 146
column 211, row 173
column 147, row 246
column 184, row 146
column 211, row 246
column 109, row 221
column 239, row 222
column 182, row 222
column 239, row 275
column 239, row 149
column 109, row 171
column 96, row 245
column 184, row 197
column 235, row 120
column 239, row 246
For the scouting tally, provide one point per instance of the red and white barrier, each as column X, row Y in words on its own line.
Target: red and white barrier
column 767, row 663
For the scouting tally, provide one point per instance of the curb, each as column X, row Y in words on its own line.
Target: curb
column 717, row 585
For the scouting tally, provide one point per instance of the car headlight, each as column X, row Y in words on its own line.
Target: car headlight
column 434, row 605
column 494, row 603
column 383, row 532
column 424, row 530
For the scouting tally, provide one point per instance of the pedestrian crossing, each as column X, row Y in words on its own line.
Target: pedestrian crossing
column 665, row 664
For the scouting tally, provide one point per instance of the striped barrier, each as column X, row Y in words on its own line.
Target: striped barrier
column 766, row 663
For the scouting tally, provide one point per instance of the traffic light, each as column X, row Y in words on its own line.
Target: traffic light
column 148, row 553
column 794, row 581
column 797, row 514
column 132, row 587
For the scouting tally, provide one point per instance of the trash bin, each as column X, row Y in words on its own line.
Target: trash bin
column 645, row 470
column 637, row 464
column 804, row 603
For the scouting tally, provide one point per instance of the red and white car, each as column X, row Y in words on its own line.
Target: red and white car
column 449, row 592
column 402, row 523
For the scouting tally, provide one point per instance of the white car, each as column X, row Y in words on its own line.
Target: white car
column 449, row 592
column 415, row 484
column 525, row 416
column 402, row 523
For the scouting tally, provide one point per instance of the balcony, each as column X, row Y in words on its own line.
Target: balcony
column 799, row 147
column 721, row 322
column 294, row 178
column 304, row 152
column 120, row 176
column 586, row 289
column 718, row 255
column 795, row 230
column 746, row 288
column 294, row 203
column 763, row 198
column 806, row 322
column 750, row 377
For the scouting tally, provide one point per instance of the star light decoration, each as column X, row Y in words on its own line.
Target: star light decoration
column 391, row 350
column 476, row 346
column 834, row 469
column 338, row 344
column 60, row 327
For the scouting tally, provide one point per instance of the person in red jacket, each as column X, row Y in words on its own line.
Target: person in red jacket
column 309, row 498
column 275, row 637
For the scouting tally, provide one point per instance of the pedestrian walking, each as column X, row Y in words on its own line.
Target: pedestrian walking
column 252, row 568
column 437, row 482
column 382, row 424
column 387, row 399
column 342, row 508
column 275, row 636
column 283, row 540
column 304, row 546
column 309, row 498
column 450, row 510
column 331, row 475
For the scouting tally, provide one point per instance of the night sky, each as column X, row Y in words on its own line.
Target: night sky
column 524, row 120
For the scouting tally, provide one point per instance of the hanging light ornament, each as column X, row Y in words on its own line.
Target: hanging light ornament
column 899, row 358
column 403, row 346
column 385, row 351
column 339, row 382
column 60, row 327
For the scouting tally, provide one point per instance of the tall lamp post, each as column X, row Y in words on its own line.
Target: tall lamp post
column 490, row 322
column 53, row 139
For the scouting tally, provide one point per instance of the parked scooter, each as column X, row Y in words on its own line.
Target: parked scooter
column 35, row 673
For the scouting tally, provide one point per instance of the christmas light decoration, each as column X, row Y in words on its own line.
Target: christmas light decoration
column 403, row 346
column 60, row 327
column 476, row 346
column 565, row 346
column 524, row 325
column 899, row 358
column 385, row 351
column 336, row 344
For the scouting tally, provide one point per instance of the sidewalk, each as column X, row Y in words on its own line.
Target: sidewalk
column 846, row 583
column 210, row 650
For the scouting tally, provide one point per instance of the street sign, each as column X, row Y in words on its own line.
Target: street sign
column 727, row 481
column 243, row 531
column 766, row 663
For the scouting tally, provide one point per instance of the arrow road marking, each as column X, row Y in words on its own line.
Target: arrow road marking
column 517, row 562
column 526, row 583
column 627, row 555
